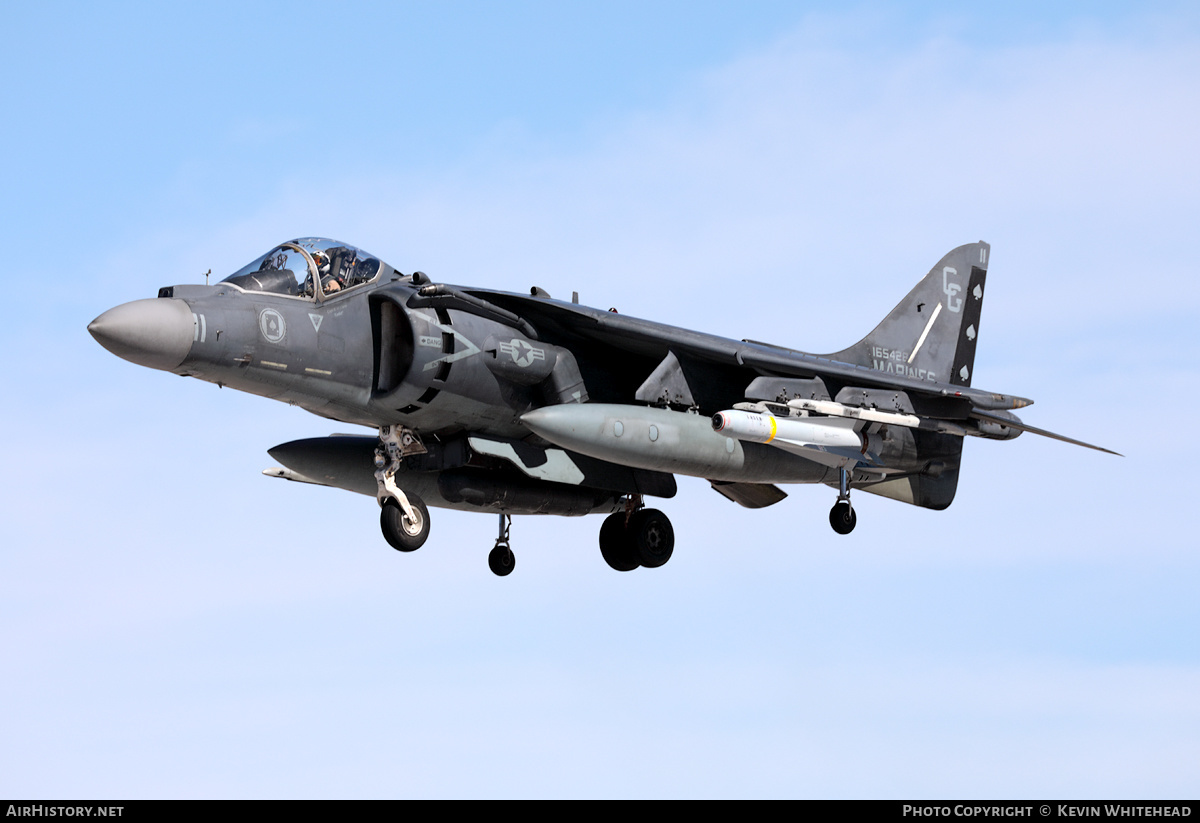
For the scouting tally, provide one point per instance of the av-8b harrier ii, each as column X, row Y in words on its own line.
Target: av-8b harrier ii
column 510, row 403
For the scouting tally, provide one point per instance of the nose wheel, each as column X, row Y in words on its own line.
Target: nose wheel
column 403, row 516
column 405, row 530
column 842, row 516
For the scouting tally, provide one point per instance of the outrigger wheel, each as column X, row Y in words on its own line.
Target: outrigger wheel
column 842, row 516
column 501, row 559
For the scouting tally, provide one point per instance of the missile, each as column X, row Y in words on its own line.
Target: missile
column 995, row 425
column 808, row 431
column 663, row 440
column 910, row 421
column 828, row 440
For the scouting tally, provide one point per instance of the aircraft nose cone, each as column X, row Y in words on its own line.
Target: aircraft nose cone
column 156, row 333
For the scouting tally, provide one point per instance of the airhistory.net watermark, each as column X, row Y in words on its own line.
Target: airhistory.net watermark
column 41, row 810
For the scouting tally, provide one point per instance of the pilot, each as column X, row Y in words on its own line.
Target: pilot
column 322, row 261
column 331, row 281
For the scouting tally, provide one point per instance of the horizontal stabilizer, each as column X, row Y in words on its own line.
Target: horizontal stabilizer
column 1013, row 423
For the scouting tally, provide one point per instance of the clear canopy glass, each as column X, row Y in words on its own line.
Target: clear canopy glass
column 308, row 267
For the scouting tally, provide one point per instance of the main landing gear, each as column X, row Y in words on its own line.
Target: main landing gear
column 628, row 539
column 636, row 537
column 842, row 516
column 403, row 517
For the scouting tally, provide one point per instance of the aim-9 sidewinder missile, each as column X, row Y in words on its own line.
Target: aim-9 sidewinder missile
column 832, row 441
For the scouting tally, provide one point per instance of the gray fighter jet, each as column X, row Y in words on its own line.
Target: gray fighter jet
column 521, row 404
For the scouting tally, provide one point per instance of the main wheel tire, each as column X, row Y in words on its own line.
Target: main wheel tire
column 502, row 561
column 401, row 533
column 652, row 537
column 842, row 517
column 615, row 544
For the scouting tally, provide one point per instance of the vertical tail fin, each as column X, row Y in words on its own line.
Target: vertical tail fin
column 931, row 334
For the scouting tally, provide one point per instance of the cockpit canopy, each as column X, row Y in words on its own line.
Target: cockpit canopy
column 312, row 268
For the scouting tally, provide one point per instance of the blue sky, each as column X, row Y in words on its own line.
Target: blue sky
column 176, row 625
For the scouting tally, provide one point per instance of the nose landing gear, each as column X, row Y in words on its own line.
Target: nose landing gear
column 405, row 527
column 403, row 518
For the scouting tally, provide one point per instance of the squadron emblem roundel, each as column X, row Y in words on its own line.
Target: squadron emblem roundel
column 270, row 323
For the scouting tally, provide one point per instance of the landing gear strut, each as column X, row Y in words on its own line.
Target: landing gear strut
column 403, row 519
column 842, row 516
column 501, row 559
column 636, row 537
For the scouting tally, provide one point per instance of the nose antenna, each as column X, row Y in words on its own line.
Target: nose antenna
column 206, row 274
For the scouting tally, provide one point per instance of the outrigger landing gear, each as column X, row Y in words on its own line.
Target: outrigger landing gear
column 636, row 537
column 501, row 559
column 403, row 518
column 842, row 516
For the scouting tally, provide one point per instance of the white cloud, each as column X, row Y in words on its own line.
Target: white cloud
column 810, row 184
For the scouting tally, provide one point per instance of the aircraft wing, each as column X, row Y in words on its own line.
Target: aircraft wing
column 622, row 334
column 721, row 370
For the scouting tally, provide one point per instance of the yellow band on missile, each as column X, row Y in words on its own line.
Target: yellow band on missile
column 773, row 427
